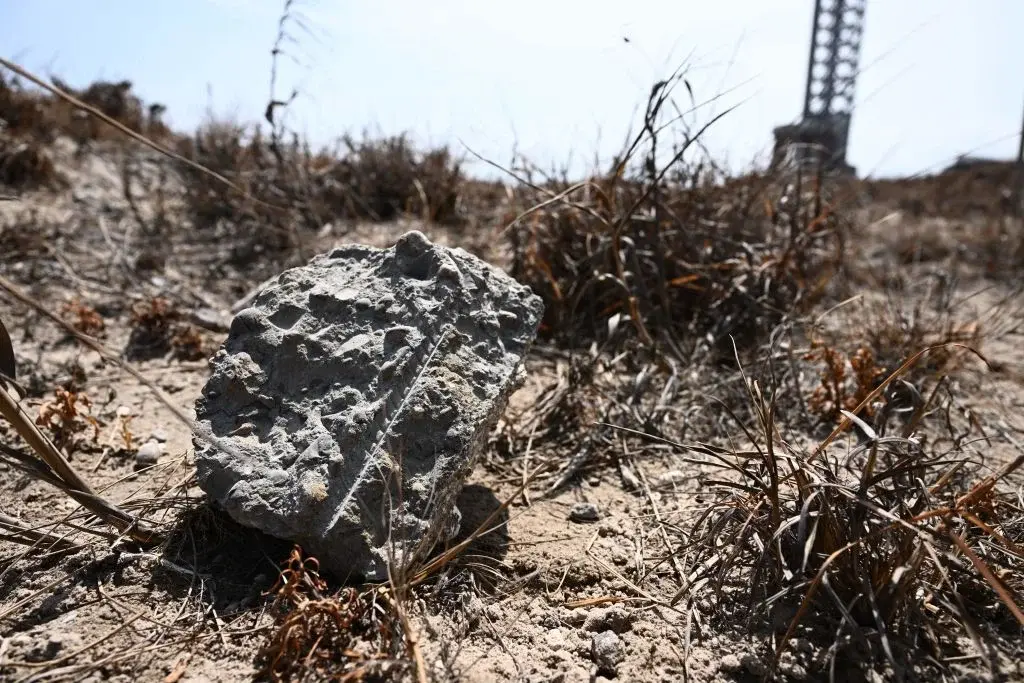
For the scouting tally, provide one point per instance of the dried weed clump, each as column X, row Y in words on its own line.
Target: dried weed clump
column 855, row 354
column 158, row 328
column 688, row 255
column 846, row 380
column 885, row 545
column 334, row 635
column 84, row 318
column 293, row 191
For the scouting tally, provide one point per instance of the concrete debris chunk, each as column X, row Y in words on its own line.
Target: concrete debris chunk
column 354, row 394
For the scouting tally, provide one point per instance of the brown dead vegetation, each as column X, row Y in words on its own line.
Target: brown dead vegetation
column 666, row 284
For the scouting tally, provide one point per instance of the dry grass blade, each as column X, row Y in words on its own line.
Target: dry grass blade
column 19, row 533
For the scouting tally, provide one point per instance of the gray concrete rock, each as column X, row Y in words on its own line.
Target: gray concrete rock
column 353, row 395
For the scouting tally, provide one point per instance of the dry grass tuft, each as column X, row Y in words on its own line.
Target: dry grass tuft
column 298, row 191
column 686, row 255
column 388, row 177
column 887, row 546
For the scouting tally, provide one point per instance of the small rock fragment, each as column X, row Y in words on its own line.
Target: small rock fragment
column 149, row 453
column 158, row 435
column 584, row 512
column 606, row 651
column 790, row 668
column 671, row 478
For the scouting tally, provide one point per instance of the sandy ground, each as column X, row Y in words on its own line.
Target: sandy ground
column 549, row 597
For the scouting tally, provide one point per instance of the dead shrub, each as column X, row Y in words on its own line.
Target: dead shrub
column 336, row 635
column 117, row 101
column 887, row 544
column 83, row 318
column 267, row 223
column 67, row 415
column 40, row 116
column 689, row 262
column 294, row 191
column 26, row 165
column 382, row 179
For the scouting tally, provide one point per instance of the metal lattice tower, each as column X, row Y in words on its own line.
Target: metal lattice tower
column 823, row 131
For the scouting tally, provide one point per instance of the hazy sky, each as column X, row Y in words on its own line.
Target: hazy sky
column 554, row 77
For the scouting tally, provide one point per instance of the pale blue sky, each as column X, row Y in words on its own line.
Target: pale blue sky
column 939, row 77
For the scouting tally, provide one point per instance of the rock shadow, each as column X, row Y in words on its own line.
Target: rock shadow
column 223, row 563
column 477, row 503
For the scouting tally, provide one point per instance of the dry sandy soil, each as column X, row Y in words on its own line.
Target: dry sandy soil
column 531, row 601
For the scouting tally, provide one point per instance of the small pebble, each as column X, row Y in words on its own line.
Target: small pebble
column 149, row 453
column 209, row 319
column 606, row 651
column 158, row 435
column 584, row 512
